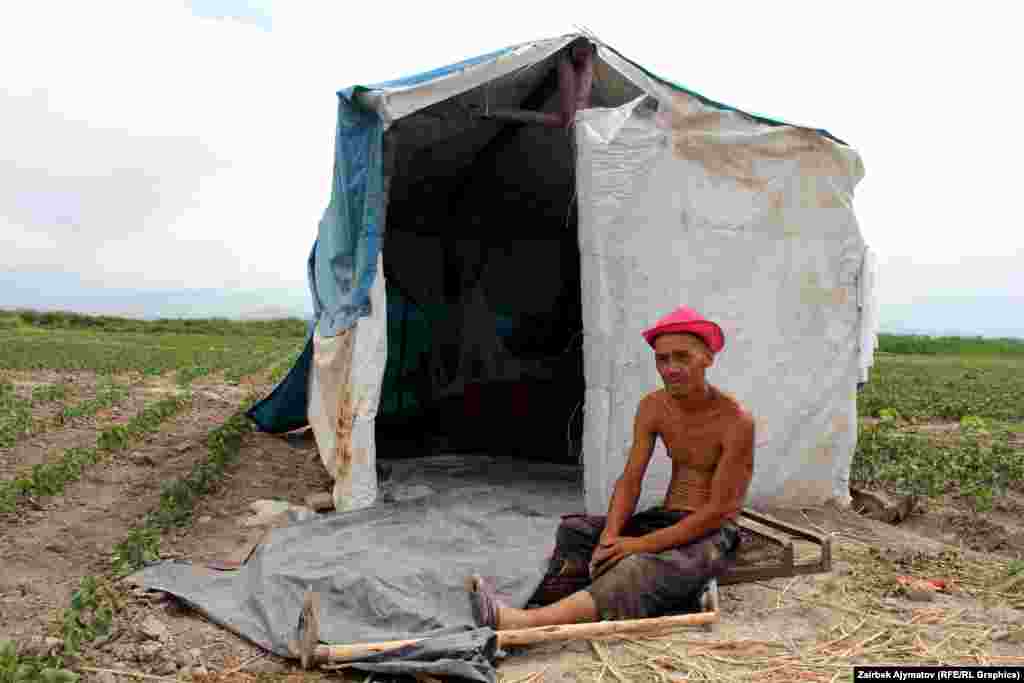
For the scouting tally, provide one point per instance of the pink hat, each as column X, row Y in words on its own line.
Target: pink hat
column 685, row 319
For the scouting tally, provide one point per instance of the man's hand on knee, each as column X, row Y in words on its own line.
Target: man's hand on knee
column 609, row 554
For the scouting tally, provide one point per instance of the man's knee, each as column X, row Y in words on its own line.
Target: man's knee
column 568, row 570
column 620, row 592
column 632, row 573
column 578, row 533
column 641, row 586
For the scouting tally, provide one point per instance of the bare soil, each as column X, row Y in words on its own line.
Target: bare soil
column 49, row 547
column 46, row 551
column 999, row 531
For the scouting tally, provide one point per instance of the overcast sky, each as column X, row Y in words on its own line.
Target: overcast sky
column 189, row 144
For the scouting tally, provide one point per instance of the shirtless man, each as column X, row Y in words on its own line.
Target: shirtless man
column 626, row 566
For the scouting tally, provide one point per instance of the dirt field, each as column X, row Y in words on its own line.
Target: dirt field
column 812, row 628
column 50, row 543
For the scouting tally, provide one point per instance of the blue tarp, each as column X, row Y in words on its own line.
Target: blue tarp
column 348, row 241
column 343, row 262
column 285, row 408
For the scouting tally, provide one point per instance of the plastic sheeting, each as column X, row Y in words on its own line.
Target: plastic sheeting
column 869, row 319
column 396, row 99
column 286, row 408
column 751, row 224
column 344, row 389
column 396, row 570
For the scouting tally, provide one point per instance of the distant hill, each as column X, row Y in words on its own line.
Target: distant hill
column 983, row 316
column 272, row 313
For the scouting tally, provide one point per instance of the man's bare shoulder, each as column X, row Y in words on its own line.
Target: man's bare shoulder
column 655, row 396
column 733, row 410
column 649, row 410
column 653, row 400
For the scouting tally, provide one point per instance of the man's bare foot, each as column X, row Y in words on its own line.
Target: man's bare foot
column 484, row 602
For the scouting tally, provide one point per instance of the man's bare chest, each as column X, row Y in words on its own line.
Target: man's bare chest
column 694, row 442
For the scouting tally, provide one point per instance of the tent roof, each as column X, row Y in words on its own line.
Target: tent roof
column 521, row 56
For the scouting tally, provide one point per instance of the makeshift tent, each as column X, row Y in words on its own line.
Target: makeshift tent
column 501, row 230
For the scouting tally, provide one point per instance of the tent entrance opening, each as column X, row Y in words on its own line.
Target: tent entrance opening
column 482, row 266
column 494, row 364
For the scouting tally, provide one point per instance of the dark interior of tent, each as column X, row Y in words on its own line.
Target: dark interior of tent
column 482, row 264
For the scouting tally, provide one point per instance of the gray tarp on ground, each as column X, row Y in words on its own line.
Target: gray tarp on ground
column 396, row 570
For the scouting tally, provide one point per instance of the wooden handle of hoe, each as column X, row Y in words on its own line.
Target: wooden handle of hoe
column 311, row 653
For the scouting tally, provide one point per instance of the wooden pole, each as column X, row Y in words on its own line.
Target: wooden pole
column 552, row 120
column 337, row 654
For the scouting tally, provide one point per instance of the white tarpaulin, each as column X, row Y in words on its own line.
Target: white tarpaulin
column 753, row 226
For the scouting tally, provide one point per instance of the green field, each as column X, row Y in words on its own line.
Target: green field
column 950, row 346
column 978, row 385
column 191, row 348
column 942, row 416
column 947, row 388
column 183, row 350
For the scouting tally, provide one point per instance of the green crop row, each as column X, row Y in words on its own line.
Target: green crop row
column 49, row 393
column 243, row 365
column 15, row 416
column 284, row 366
column 185, row 376
column 178, row 499
column 90, row 615
column 251, row 365
column 148, row 421
column 15, row 668
column 979, row 463
column 943, row 388
column 48, row 479
column 107, row 395
column 93, row 606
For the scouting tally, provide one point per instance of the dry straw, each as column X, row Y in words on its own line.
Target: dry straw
column 870, row 628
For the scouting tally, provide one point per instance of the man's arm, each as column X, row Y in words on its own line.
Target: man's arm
column 628, row 487
column 728, row 490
